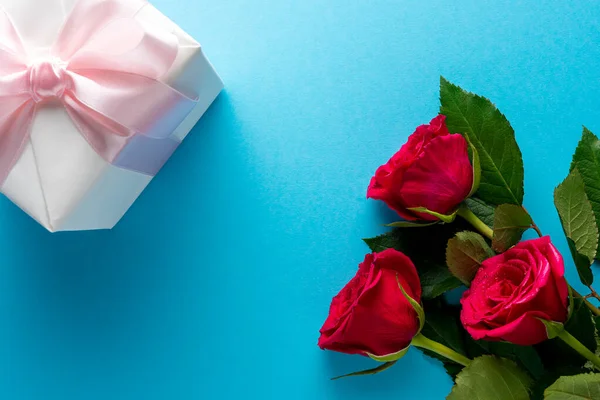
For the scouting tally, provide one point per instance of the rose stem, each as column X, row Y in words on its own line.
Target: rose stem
column 478, row 224
column 534, row 225
column 428, row 344
column 592, row 307
column 537, row 230
column 578, row 347
column 593, row 293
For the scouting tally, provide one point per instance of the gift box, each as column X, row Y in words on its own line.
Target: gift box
column 95, row 95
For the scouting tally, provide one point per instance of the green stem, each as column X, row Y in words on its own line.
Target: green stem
column 580, row 348
column 593, row 293
column 592, row 307
column 478, row 224
column 537, row 229
column 428, row 344
column 533, row 225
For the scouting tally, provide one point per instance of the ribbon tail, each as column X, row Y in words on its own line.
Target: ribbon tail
column 117, row 144
column 15, row 129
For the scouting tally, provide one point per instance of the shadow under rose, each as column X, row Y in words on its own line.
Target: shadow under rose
column 386, row 383
column 385, row 215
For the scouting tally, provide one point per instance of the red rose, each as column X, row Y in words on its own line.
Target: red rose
column 371, row 315
column 512, row 290
column 431, row 170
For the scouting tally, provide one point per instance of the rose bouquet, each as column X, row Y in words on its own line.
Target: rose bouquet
column 520, row 331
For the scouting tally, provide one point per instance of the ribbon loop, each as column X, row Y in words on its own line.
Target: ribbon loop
column 87, row 18
column 105, row 70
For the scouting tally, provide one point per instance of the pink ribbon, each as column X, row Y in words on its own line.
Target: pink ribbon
column 105, row 69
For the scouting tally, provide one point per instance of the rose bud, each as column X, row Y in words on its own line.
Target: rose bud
column 512, row 291
column 371, row 316
column 432, row 170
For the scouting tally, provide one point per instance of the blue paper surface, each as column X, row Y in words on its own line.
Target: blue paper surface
column 216, row 282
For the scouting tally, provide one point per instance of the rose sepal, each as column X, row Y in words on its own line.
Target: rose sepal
column 415, row 305
column 447, row 218
column 553, row 329
column 410, row 224
column 476, row 167
column 390, row 357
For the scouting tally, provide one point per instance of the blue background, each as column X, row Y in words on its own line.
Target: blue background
column 216, row 282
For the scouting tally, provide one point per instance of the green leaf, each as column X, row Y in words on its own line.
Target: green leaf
column 482, row 210
column 551, row 376
column 581, row 324
column 582, row 263
column 437, row 281
column 526, row 356
column 587, row 161
column 465, row 253
column 490, row 377
column 426, row 248
column 491, row 134
column 443, row 326
column 578, row 223
column 584, row 386
column 409, row 224
column 442, row 217
column 571, row 301
column 510, row 221
column 556, row 354
column 371, row 371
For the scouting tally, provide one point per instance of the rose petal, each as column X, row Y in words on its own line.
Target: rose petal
column 441, row 178
column 527, row 330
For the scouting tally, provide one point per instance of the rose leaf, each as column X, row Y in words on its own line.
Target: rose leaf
column 437, row 281
column 587, row 161
column 443, row 326
column 425, row 246
column 557, row 355
column 510, row 221
column 581, row 325
column 465, row 253
column 490, row 377
column 526, row 356
column 489, row 131
column 482, row 210
column 584, row 386
column 579, row 225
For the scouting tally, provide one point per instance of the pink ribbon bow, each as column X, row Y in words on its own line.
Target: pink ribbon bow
column 104, row 68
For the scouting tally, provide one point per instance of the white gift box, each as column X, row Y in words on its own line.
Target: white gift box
column 59, row 179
